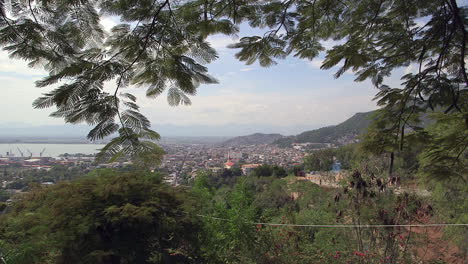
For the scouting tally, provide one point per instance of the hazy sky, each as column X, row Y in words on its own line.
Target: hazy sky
column 293, row 93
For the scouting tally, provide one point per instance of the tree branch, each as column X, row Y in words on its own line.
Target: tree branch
column 145, row 44
column 459, row 22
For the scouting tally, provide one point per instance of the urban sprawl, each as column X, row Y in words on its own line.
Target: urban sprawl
column 181, row 160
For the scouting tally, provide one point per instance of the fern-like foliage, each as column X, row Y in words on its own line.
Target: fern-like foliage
column 158, row 45
column 375, row 39
column 161, row 45
column 446, row 157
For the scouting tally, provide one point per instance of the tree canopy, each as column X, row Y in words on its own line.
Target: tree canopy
column 162, row 45
column 105, row 217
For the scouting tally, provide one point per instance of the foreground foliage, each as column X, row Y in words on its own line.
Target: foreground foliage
column 132, row 217
column 162, row 45
column 107, row 217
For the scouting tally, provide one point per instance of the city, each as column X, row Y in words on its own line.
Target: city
column 182, row 160
column 213, row 131
column 188, row 159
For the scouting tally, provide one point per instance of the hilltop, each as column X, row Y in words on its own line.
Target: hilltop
column 254, row 139
column 341, row 134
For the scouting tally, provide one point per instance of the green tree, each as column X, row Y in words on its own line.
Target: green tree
column 377, row 37
column 446, row 157
column 228, row 236
column 107, row 217
column 4, row 196
column 161, row 44
column 274, row 194
column 157, row 44
column 320, row 160
column 451, row 204
column 279, row 172
column 266, row 170
column 295, row 169
column 349, row 156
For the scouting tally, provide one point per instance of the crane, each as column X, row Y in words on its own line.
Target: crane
column 21, row 152
column 42, row 152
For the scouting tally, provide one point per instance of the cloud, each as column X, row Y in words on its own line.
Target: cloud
column 410, row 69
column 233, row 102
column 109, row 22
column 414, row 68
column 16, row 104
column 16, row 67
column 231, row 106
column 266, row 98
column 329, row 44
column 220, row 42
column 316, row 63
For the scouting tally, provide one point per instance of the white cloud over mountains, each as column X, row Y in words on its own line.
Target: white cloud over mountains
column 243, row 107
column 246, row 95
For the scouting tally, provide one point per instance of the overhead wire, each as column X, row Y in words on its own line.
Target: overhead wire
column 338, row 225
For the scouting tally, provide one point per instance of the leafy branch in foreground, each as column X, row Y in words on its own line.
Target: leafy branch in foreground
column 161, row 44
column 447, row 154
column 374, row 39
column 157, row 45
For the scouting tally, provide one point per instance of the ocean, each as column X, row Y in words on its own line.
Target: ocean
column 49, row 150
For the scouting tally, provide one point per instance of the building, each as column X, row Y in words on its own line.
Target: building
column 247, row 168
column 229, row 164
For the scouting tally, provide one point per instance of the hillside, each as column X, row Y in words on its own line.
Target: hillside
column 340, row 134
column 254, row 139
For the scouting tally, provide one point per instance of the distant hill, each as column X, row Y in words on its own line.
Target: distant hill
column 16, row 130
column 254, row 139
column 340, row 134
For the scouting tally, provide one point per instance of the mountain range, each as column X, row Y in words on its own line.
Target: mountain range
column 20, row 131
column 341, row 134
column 257, row 138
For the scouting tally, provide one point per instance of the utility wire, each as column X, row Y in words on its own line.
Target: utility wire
column 337, row 225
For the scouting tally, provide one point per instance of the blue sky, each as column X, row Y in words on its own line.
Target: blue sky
column 288, row 98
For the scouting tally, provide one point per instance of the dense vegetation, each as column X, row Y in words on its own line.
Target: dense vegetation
column 133, row 217
column 106, row 217
column 20, row 178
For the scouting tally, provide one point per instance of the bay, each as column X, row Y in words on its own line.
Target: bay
column 50, row 150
